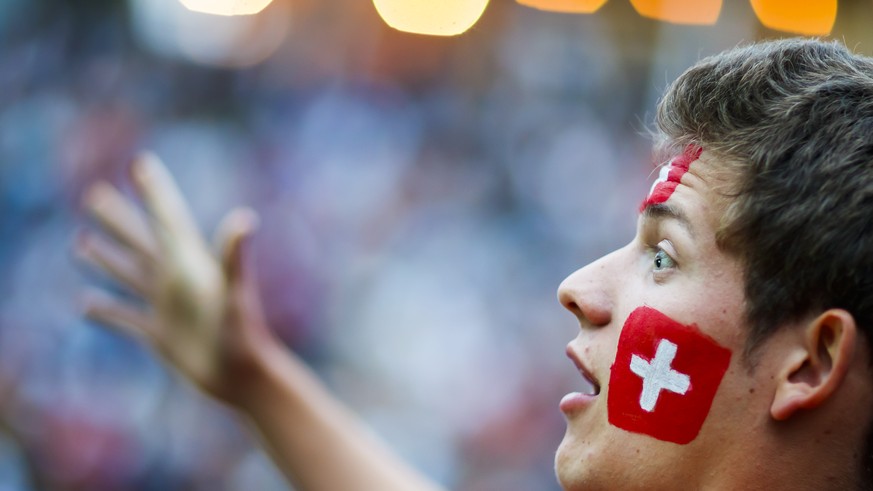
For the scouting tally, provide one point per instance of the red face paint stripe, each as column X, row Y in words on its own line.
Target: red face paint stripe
column 666, row 184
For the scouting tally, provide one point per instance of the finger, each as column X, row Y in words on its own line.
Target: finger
column 233, row 233
column 120, row 265
column 169, row 213
column 116, row 314
column 233, row 239
column 120, row 218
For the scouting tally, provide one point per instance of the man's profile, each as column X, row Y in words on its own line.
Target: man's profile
column 727, row 346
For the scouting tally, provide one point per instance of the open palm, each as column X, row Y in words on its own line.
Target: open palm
column 199, row 309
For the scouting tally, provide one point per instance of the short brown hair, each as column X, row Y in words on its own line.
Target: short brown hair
column 793, row 119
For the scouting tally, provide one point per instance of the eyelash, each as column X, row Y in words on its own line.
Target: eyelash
column 659, row 257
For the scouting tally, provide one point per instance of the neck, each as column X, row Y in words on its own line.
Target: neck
column 798, row 454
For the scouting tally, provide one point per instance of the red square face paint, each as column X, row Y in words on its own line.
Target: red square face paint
column 670, row 176
column 664, row 377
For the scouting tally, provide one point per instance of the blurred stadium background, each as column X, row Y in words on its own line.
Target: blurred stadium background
column 421, row 199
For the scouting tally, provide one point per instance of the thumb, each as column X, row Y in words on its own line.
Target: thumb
column 232, row 238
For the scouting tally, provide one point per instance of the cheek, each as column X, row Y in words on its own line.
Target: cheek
column 664, row 377
column 716, row 304
column 741, row 402
column 722, row 312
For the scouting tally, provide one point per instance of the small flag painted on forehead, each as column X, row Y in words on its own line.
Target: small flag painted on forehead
column 670, row 176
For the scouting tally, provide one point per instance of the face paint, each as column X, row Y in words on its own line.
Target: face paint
column 670, row 176
column 664, row 377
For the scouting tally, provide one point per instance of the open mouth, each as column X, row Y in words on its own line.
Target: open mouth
column 590, row 385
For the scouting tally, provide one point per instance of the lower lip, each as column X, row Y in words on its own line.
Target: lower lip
column 575, row 401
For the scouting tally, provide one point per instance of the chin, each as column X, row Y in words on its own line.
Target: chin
column 570, row 465
column 593, row 461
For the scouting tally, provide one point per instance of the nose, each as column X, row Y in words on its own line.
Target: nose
column 588, row 292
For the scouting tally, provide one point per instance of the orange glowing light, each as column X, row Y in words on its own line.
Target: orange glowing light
column 810, row 17
column 679, row 11
column 569, row 6
column 226, row 7
column 434, row 17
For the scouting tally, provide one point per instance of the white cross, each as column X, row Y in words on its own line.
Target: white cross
column 657, row 375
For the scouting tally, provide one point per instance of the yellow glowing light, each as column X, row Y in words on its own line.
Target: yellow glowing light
column 570, row 6
column 226, row 7
column 434, row 17
column 811, row 17
column 168, row 28
column 679, row 11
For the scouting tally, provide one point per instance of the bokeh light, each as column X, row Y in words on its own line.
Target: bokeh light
column 569, row 6
column 680, row 11
column 806, row 17
column 170, row 29
column 434, row 17
column 226, row 7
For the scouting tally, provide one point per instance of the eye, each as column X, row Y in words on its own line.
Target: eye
column 663, row 261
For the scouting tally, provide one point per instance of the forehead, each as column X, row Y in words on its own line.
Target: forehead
column 670, row 176
column 693, row 183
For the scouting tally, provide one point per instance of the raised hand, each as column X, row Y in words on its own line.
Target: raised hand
column 200, row 309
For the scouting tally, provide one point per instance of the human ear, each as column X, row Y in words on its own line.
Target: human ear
column 816, row 364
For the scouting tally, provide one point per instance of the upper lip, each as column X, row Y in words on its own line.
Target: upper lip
column 583, row 369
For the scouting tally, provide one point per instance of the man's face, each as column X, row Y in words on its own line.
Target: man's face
column 672, row 267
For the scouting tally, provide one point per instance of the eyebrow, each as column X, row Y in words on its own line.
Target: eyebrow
column 662, row 211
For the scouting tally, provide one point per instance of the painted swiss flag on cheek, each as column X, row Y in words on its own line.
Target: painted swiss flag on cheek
column 664, row 378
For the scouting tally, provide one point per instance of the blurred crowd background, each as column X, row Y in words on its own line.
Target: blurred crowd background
column 421, row 199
